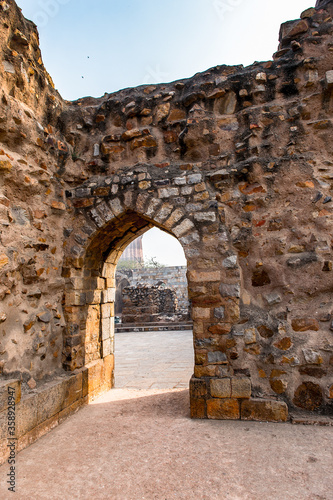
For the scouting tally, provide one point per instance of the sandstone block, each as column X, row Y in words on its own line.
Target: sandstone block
column 50, row 400
column 308, row 396
column 220, row 388
column 264, row 410
column 10, row 390
column 305, row 324
column 108, row 368
column 73, row 390
column 204, row 371
column 106, row 348
column 198, row 388
column 223, row 409
column 204, row 276
column 95, row 375
column 27, row 414
column 241, row 388
column 200, row 313
column 198, row 408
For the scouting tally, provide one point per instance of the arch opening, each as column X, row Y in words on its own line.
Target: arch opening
column 90, row 299
column 153, row 331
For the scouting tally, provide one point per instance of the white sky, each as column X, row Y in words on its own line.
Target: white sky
column 165, row 248
column 95, row 46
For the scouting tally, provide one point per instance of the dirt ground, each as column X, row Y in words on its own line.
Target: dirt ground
column 132, row 445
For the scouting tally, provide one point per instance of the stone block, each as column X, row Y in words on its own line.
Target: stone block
column 241, row 388
column 95, row 375
column 27, row 414
column 106, row 310
column 50, row 400
column 168, row 192
column 183, row 228
column 312, row 357
column 108, row 369
column 106, row 347
column 73, row 390
column 205, row 217
column 217, row 358
column 230, row 262
column 230, row 290
column 9, row 388
column 219, row 312
column 262, row 410
column 194, row 178
column 329, row 79
column 116, row 207
column 198, row 388
column 106, row 328
column 220, row 388
column 204, row 371
column 198, row 408
column 152, row 207
column 305, row 324
column 223, row 409
column 250, row 336
column 200, row 313
column 204, row 276
column 273, row 298
column 109, row 295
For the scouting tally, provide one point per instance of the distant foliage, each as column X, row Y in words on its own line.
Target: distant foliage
column 151, row 263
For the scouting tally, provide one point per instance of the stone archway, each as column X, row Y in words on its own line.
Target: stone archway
column 112, row 212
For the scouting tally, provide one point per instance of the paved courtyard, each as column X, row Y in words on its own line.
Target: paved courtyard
column 154, row 360
column 137, row 442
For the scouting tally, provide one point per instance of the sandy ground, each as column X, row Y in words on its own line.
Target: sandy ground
column 133, row 444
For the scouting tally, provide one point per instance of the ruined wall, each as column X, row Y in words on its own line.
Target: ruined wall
column 174, row 277
column 32, row 205
column 148, row 303
column 235, row 162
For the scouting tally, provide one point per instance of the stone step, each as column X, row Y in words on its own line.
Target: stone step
column 153, row 327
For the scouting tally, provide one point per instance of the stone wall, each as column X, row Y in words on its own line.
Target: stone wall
column 148, row 304
column 236, row 163
column 173, row 276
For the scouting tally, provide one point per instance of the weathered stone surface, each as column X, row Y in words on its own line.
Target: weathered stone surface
column 264, row 410
column 308, row 396
column 220, row 388
column 305, row 324
column 223, row 409
column 241, row 388
column 234, row 162
column 50, row 400
column 10, row 392
column 230, row 290
column 217, row 358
